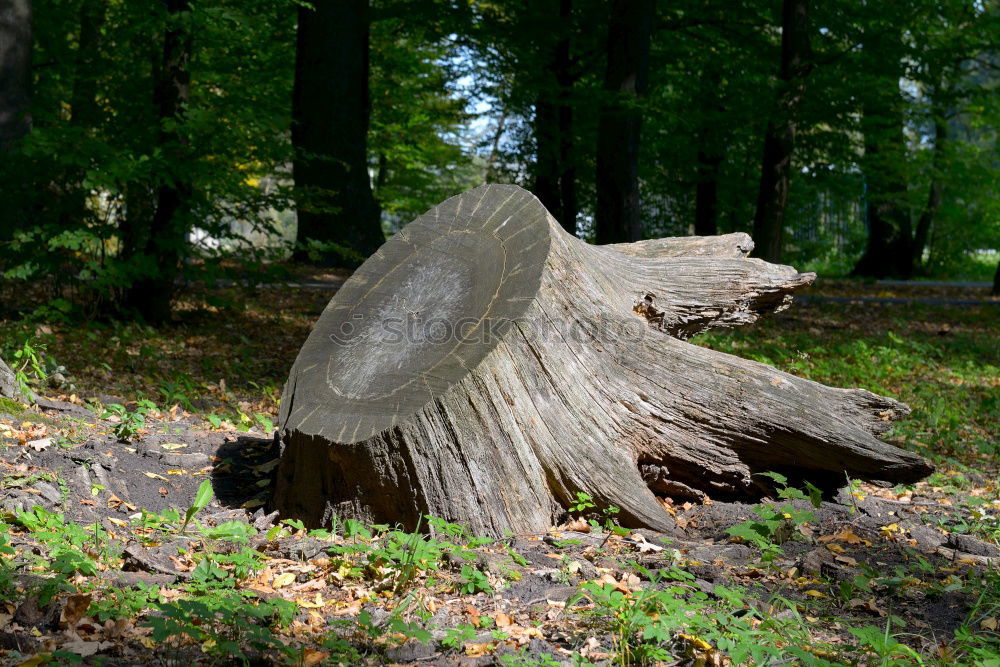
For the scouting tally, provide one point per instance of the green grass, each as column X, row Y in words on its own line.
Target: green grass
column 11, row 407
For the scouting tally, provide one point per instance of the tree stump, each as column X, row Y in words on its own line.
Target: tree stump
column 484, row 366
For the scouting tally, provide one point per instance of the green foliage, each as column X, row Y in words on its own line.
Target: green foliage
column 775, row 524
column 69, row 551
column 582, row 503
column 202, row 498
column 28, row 366
column 418, row 152
column 178, row 391
column 585, row 506
column 882, row 644
column 130, row 422
column 226, row 625
column 455, row 638
column 646, row 623
column 119, row 603
column 474, row 581
column 97, row 143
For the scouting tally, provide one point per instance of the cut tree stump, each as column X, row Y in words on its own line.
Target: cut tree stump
column 484, row 366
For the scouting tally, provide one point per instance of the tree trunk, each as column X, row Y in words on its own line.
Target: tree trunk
column 706, row 196
column 779, row 140
column 484, row 366
column 934, row 195
column 85, row 71
column 620, row 123
column 15, row 100
column 491, row 160
column 555, row 169
column 83, row 102
column 163, row 247
column 15, row 71
column 330, row 111
column 888, row 251
column 996, row 281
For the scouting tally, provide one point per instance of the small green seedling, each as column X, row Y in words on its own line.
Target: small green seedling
column 201, row 499
column 130, row 422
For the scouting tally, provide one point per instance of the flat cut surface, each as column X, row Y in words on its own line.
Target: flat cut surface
column 419, row 314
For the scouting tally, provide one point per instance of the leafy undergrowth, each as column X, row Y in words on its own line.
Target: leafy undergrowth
column 905, row 575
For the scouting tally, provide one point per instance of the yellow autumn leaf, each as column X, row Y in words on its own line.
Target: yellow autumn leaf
column 153, row 475
column 35, row 660
column 816, row 594
column 172, row 445
column 316, row 603
column 283, row 580
column 118, row 522
column 845, row 535
column 890, row 529
column 177, row 471
column 697, row 642
column 990, row 623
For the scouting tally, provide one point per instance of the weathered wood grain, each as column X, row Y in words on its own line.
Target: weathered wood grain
column 570, row 374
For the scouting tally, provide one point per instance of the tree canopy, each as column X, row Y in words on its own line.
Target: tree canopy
column 142, row 147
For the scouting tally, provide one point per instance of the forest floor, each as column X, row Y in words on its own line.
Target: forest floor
column 114, row 550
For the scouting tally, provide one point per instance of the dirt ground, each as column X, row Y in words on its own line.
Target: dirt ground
column 91, row 476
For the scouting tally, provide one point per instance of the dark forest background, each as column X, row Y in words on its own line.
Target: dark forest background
column 143, row 144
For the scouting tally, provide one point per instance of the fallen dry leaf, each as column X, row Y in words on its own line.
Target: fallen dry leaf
column 311, row 656
column 283, row 580
column 76, row 606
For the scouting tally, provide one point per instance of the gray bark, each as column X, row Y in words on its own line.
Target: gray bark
column 15, row 71
column 8, row 385
column 570, row 375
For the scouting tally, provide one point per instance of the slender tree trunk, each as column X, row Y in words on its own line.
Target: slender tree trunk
column 555, row 171
column 620, row 124
column 567, row 156
column 779, row 140
column 888, row 251
column 330, row 113
column 706, row 199
column 934, row 195
column 491, row 160
column 15, row 71
column 15, row 98
column 163, row 247
column 547, row 154
column 83, row 102
column 996, row 281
